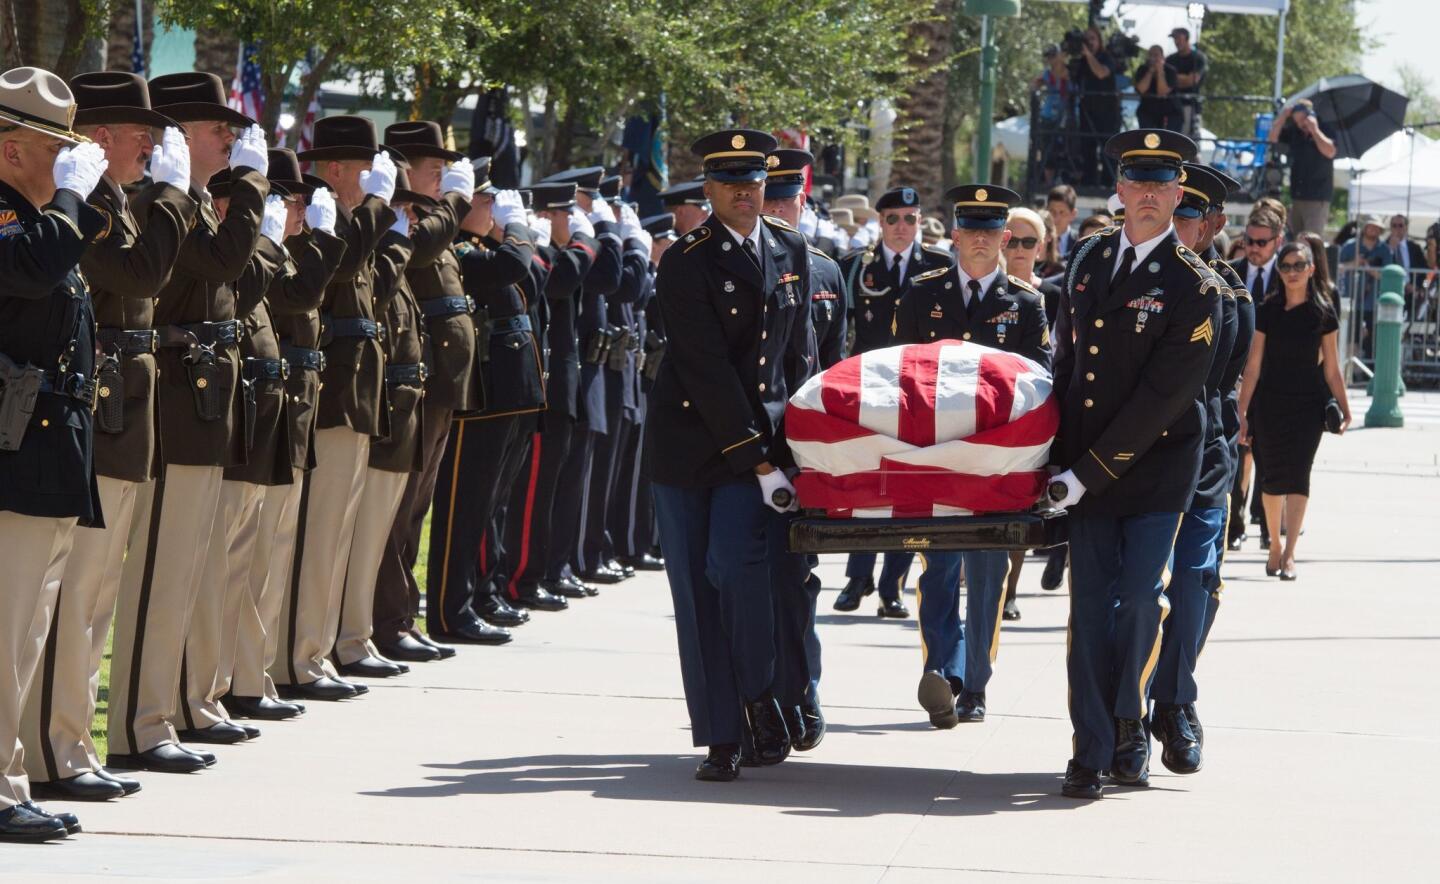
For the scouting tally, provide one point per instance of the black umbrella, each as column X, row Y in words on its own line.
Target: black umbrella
column 1360, row 112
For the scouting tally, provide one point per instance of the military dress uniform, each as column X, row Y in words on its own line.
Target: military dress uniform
column 734, row 306
column 202, row 431
column 124, row 272
column 1005, row 313
column 47, row 468
column 876, row 281
column 1132, row 353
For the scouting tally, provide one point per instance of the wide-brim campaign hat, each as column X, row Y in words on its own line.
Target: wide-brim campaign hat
column 734, row 155
column 982, row 206
column 1151, row 154
column 220, row 183
column 858, row 204
column 192, row 96
column 844, row 219
column 403, row 193
column 110, row 97
column 553, row 195
column 38, row 100
column 285, row 172
column 417, row 139
column 346, row 137
column 785, row 172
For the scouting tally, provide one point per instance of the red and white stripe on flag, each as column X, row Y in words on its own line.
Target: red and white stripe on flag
column 947, row 428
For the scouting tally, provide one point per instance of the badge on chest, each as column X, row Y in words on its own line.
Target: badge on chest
column 787, row 288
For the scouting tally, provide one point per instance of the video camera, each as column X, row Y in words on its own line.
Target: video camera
column 1073, row 43
column 1123, row 46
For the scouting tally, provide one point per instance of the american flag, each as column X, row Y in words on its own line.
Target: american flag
column 942, row 429
column 137, row 54
column 246, row 94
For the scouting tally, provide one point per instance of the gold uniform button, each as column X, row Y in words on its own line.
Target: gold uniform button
column 932, row 334
column 762, row 388
column 1099, row 323
column 762, row 360
column 202, row 383
column 1094, row 350
column 685, row 404
column 966, row 336
column 1089, row 403
column 44, row 422
column 764, row 335
column 733, row 311
column 1164, row 432
column 1089, row 375
column 444, row 343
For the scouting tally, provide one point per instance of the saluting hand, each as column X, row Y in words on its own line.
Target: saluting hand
column 380, row 180
column 78, row 169
column 458, row 177
column 170, row 160
column 580, row 224
column 320, row 214
column 601, row 211
column 250, row 149
column 509, row 208
column 541, row 226
column 272, row 223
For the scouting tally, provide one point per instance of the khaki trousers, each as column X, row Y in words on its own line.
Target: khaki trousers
column 169, row 539
column 33, row 551
column 269, row 562
column 378, row 505
column 210, row 643
column 328, row 506
column 56, row 726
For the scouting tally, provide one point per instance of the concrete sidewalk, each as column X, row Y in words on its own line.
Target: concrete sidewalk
column 566, row 755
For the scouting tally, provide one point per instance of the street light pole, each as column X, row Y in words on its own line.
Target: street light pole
column 988, row 61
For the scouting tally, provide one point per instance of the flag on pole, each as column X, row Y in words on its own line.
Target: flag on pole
column 137, row 54
column 246, row 93
column 921, row 430
column 307, row 129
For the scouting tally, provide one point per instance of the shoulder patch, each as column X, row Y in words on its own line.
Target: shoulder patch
column 777, row 222
column 936, row 250
column 696, row 237
column 1022, row 284
column 930, row 274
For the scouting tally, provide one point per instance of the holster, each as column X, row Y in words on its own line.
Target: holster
column 619, row 346
column 597, row 346
column 110, row 404
column 210, row 381
column 653, row 358
column 19, row 389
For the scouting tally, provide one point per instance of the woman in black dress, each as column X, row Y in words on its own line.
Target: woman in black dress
column 1292, row 371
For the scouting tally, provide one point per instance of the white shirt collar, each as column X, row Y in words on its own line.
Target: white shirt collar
column 754, row 236
column 985, row 281
column 889, row 257
column 1263, row 268
column 1142, row 249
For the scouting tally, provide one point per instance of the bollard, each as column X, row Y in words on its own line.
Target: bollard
column 1384, row 408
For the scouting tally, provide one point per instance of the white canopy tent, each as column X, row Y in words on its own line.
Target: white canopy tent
column 1400, row 175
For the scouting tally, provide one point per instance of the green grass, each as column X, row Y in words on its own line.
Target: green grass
column 102, row 706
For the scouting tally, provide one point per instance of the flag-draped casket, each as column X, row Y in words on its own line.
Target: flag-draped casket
column 942, row 429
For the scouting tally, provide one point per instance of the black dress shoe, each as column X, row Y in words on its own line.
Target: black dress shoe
column 372, row 667
column 645, row 562
column 937, row 697
column 625, row 570
column 251, row 731
column 1179, row 749
column 261, row 708
column 446, row 652
column 1194, row 718
column 1054, row 573
column 563, row 590
column 1081, row 782
column 1011, row 610
column 477, row 633
column 1131, row 765
column 498, row 611
column 893, row 609
column 222, row 734
column 409, row 649
column 23, row 824
column 767, row 730
column 537, row 599
column 164, row 758
column 70, row 821
column 970, row 706
column 323, row 688
column 602, row 574
column 1235, row 543
column 814, row 721
column 130, row 786
column 794, row 724
column 359, row 688
column 81, row 787
column 206, row 758
column 721, row 764
column 855, row 590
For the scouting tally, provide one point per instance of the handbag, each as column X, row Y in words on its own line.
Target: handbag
column 1333, row 416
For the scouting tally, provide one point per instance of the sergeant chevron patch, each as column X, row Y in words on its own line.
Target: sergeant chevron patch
column 1205, row 331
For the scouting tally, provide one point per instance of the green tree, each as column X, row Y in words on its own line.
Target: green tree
column 1424, row 104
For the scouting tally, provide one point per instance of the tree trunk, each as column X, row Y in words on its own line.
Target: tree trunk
column 274, row 87
column 74, row 36
column 216, row 52
column 309, row 88
column 918, row 142
column 564, row 140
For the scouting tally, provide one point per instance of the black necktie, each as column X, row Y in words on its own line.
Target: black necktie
column 974, row 303
column 1257, row 284
column 748, row 245
column 1127, row 264
column 895, row 269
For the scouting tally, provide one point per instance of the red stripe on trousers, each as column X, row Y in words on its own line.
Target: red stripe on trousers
column 513, row 586
column 919, row 367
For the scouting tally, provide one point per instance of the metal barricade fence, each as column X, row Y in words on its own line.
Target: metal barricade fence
column 1359, row 287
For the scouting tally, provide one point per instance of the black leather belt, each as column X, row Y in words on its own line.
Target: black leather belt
column 409, row 374
column 129, row 343
column 450, row 305
column 510, row 324
column 266, row 369
column 206, row 334
column 349, row 328
column 75, row 386
column 302, row 357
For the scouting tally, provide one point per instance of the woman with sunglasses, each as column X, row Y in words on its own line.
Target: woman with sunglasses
column 1293, row 369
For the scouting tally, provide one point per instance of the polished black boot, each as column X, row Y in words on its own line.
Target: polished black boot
column 893, row 609
column 564, row 590
column 477, row 633
column 971, row 706
column 537, row 599
column 849, row 597
column 1194, row 719
column 1131, row 765
column 1179, row 749
column 20, row 823
column 721, row 764
column 1081, row 782
column 794, row 725
column 496, row 611
column 767, row 730
column 936, row 695
column 814, row 721
column 1054, row 573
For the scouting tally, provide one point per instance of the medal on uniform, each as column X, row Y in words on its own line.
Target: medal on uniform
column 1106, row 253
column 869, row 317
column 1154, row 267
column 937, row 313
column 1000, row 332
column 1140, row 320
column 729, row 286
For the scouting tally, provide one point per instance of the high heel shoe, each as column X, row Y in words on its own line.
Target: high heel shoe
column 1288, row 572
column 1271, row 572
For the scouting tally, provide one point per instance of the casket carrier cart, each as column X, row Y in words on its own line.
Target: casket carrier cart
column 939, row 446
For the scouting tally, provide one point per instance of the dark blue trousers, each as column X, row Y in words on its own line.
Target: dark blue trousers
column 962, row 651
column 1194, row 581
column 892, row 576
column 1212, row 605
column 797, row 647
column 1117, row 603
column 716, row 543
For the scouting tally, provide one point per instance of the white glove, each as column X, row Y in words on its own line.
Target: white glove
column 170, row 160
column 772, row 482
column 509, row 208
column 458, row 177
column 1074, row 490
column 809, row 222
column 580, row 224
column 78, row 169
column 402, row 223
column 272, row 224
column 541, row 226
column 647, row 240
column 380, row 180
column 320, row 214
column 249, row 150
column 601, row 211
column 629, row 223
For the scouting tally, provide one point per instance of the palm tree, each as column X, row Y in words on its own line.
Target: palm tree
column 918, row 139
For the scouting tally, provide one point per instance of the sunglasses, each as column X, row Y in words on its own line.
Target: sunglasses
column 1022, row 242
column 1397, row 226
column 1294, row 266
column 892, row 218
column 1262, row 243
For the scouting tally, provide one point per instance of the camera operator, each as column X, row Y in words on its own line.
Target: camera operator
column 1094, row 72
column 1190, row 65
column 1057, row 113
column 1155, row 81
column 1312, row 164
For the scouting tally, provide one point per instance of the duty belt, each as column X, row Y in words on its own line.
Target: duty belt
column 207, row 334
column 509, row 324
column 408, row 374
column 302, row 357
column 76, row 386
column 349, row 328
column 266, row 369
column 450, row 305
column 129, row 343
